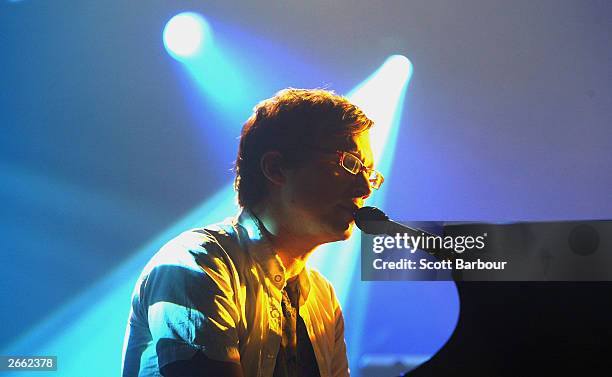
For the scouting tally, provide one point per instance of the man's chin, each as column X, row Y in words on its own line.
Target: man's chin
column 338, row 232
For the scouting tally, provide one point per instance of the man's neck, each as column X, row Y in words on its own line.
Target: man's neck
column 292, row 251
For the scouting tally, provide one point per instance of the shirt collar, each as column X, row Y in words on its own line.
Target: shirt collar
column 263, row 253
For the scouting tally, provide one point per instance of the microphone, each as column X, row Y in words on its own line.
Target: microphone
column 372, row 220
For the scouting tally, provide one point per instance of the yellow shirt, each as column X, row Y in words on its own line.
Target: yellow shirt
column 219, row 290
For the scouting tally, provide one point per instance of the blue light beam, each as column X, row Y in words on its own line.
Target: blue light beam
column 218, row 77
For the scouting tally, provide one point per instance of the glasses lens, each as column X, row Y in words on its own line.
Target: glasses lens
column 354, row 166
column 351, row 163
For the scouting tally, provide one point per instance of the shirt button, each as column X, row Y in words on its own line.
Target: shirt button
column 275, row 313
column 278, row 278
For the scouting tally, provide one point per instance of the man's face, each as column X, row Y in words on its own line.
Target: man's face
column 320, row 196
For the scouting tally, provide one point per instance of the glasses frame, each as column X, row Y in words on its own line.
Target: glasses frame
column 342, row 155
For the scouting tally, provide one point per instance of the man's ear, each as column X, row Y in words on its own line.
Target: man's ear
column 272, row 166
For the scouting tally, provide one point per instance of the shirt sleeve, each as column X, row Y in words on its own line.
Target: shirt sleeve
column 190, row 301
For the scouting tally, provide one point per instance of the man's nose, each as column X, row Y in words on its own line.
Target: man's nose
column 363, row 189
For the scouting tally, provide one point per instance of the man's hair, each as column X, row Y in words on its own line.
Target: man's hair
column 290, row 122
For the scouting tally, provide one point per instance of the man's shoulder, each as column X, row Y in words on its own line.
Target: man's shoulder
column 186, row 249
column 219, row 234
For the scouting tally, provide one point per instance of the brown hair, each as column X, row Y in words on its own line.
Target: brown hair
column 288, row 122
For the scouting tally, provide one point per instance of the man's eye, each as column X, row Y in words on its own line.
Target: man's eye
column 353, row 164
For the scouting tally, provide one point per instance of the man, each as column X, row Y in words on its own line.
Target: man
column 235, row 299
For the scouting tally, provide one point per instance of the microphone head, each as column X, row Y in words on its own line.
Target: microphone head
column 370, row 220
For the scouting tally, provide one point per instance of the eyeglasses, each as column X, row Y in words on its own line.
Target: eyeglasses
column 353, row 165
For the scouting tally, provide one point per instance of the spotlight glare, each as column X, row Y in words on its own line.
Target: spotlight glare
column 184, row 34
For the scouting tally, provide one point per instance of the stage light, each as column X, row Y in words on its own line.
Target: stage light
column 185, row 35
